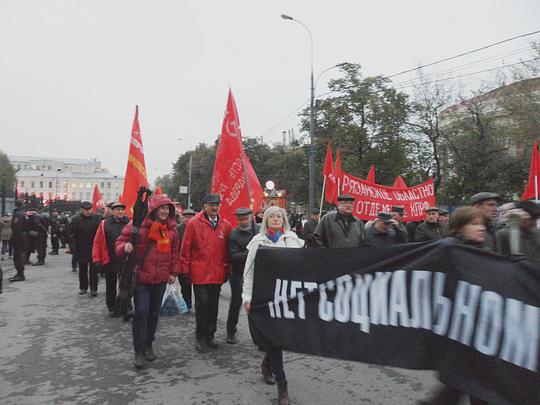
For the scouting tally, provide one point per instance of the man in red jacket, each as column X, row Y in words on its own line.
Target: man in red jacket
column 157, row 257
column 203, row 257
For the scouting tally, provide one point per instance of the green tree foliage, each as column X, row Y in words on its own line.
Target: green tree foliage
column 7, row 175
column 367, row 118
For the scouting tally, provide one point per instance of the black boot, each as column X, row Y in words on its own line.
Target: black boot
column 149, row 353
column 211, row 343
column 283, row 393
column 139, row 360
column 266, row 372
column 200, row 344
column 17, row 277
column 38, row 263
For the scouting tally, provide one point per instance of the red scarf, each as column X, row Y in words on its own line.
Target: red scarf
column 160, row 233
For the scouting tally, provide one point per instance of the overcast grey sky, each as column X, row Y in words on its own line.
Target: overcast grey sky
column 71, row 72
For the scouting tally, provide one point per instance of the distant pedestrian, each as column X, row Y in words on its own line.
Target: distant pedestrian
column 431, row 229
column 203, row 256
column 184, row 280
column 341, row 229
column 37, row 238
column 5, row 236
column 83, row 229
column 19, row 239
column 157, row 255
column 56, row 229
column 237, row 249
column 274, row 232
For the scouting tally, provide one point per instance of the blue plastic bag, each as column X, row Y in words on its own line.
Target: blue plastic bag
column 173, row 303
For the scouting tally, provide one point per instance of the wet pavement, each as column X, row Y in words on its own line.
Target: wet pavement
column 57, row 347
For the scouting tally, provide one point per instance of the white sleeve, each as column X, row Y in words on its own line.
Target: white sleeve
column 249, row 268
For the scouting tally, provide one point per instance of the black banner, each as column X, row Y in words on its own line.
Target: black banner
column 471, row 315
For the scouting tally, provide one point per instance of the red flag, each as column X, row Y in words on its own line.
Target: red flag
column 158, row 191
column 136, row 168
column 97, row 202
column 533, row 185
column 331, row 183
column 399, row 182
column 371, row 175
column 231, row 167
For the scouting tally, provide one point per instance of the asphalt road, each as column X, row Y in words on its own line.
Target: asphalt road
column 57, row 347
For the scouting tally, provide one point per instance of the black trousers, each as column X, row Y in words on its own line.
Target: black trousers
column 185, row 288
column 236, row 282
column 19, row 256
column 86, row 272
column 41, row 247
column 55, row 243
column 206, row 309
column 111, row 280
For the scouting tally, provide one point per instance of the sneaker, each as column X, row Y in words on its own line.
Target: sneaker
column 93, row 293
column 231, row 339
column 211, row 343
column 82, row 292
column 17, row 277
column 38, row 263
column 139, row 360
column 53, row 253
column 149, row 354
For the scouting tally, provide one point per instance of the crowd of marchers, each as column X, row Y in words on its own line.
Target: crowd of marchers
column 203, row 251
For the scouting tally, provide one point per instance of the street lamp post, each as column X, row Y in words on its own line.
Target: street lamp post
column 189, row 172
column 311, row 163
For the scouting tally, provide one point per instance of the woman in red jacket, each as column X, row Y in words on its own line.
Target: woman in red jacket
column 157, row 255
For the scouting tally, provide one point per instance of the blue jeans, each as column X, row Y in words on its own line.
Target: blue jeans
column 147, row 299
column 236, row 282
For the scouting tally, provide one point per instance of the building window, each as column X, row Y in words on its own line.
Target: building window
column 22, row 183
column 32, row 184
column 50, row 184
column 81, row 185
column 102, row 185
column 109, row 185
column 49, row 168
column 40, row 184
column 88, row 185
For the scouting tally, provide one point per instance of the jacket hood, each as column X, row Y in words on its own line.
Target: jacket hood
column 159, row 200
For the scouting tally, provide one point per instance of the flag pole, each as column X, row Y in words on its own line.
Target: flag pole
column 322, row 194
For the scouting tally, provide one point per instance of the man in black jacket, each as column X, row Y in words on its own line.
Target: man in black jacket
column 103, row 254
column 309, row 228
column 37, row 235
column 56, row 230
column 237, row 249
column 488, row 202
column 19, row 239
column 83, row 228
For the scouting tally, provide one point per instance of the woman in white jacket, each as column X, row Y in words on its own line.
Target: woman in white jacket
column 275, row 232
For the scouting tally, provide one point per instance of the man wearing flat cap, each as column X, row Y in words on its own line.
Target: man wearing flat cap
column 82, row 231
column 341, row 229
column 310, row 226
column 397, row 214
column 184, row 280
column 237, row 249
column 385, row 231
column 487, row 202
column 521, row 236
column 203, row 256
column 431, row 229
column 103, row 251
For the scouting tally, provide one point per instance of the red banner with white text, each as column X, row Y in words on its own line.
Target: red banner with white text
column 372, row 198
